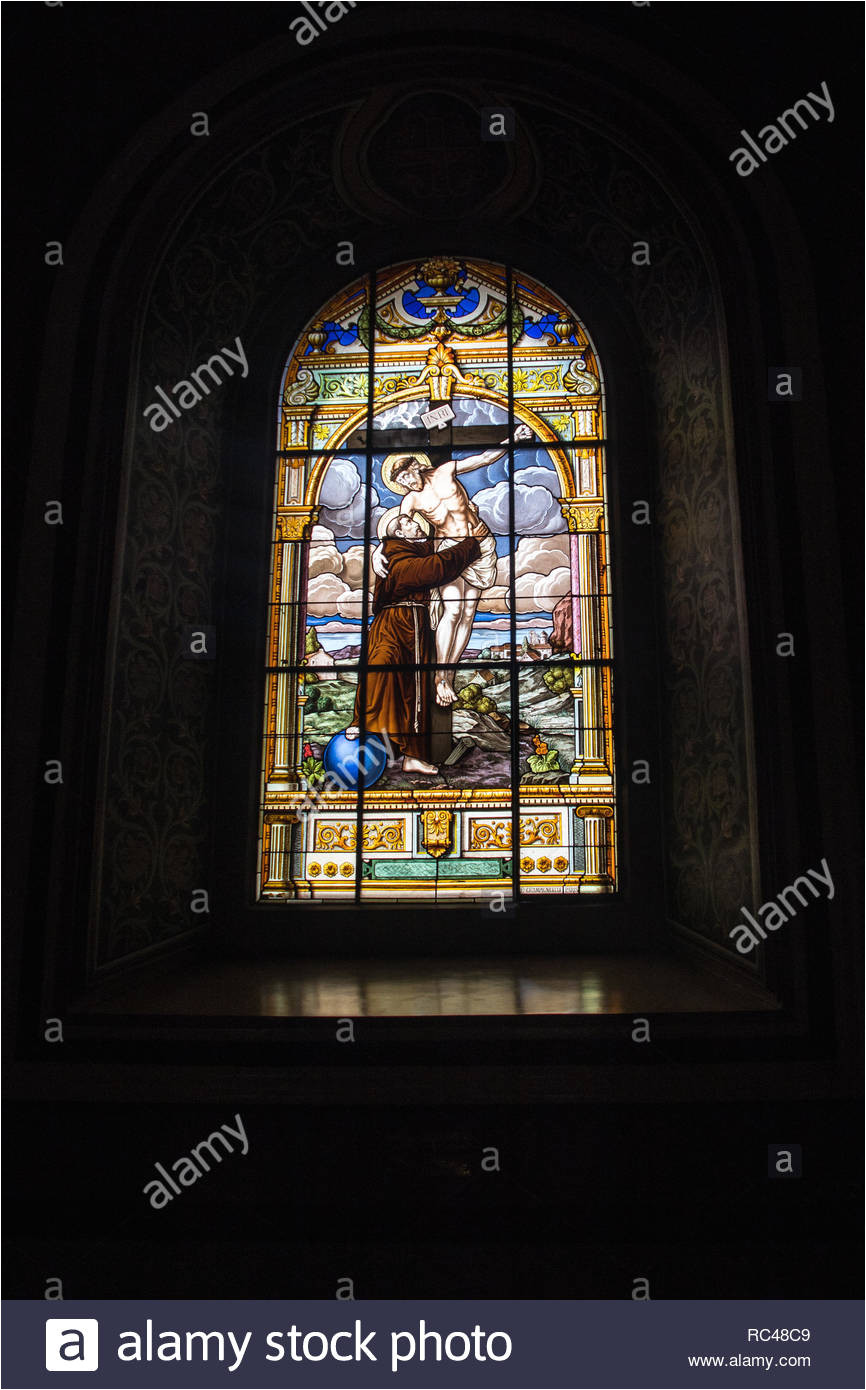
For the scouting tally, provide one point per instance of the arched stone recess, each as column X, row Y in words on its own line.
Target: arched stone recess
column 237, row 261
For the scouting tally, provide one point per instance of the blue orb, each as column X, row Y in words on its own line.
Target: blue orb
column 345, row 757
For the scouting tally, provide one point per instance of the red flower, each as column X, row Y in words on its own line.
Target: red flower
column 308, row 751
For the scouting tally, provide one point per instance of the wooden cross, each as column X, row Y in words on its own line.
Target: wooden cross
column 433, row 441
column 439, row 444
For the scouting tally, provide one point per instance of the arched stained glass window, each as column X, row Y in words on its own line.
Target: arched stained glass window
column 438, row 711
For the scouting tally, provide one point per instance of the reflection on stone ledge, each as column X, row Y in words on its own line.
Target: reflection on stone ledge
column 525, row 985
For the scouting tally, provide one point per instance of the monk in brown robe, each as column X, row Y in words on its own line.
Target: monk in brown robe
column 401, row 639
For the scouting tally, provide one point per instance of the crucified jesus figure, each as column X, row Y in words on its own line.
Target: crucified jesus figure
column 434, row 492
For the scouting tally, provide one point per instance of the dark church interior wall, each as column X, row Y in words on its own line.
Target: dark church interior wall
column 188, row 242
column 233, row 237
column 187, row 534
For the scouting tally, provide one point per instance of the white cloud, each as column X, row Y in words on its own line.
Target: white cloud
column 503, row 570
column 542, row 577
column 343, row 502
column 406, row 415
column 540, row 593
column 541, row 561
column 324, row 559
column 535, row 558
column 538, row 476
column 492, row 504
column 541, row 554
column 327, row 558
column 495, row 599
column 471, row 411
column 328, row 595
column 496, row 624
column 335, row 577
column 353, row 566
column 341, row 483
column 536, row 510
column 348, row 522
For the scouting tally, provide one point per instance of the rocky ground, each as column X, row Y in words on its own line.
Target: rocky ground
column 328, row 710
column 487, row 763
column 480, row 767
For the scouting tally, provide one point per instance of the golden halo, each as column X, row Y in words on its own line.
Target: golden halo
column 386, row 519
column 392, row 462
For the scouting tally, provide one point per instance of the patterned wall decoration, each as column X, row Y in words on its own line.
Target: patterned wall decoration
column 231, row 254
column 227, row 260
column 603, row 202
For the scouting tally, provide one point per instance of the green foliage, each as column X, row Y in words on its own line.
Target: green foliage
column 311, row 642
column 472, row 697
column 329, row 708
column 544, row 762
column 558, row 679
column 313, row 769
column 544, row 759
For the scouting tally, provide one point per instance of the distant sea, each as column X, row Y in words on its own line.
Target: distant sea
column 483, row 634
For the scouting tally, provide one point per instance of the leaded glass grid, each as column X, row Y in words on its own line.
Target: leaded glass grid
column 510, row 696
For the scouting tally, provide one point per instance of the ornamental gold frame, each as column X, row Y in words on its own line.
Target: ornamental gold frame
column 591, row 793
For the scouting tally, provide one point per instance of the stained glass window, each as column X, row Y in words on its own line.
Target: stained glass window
column 438, row 709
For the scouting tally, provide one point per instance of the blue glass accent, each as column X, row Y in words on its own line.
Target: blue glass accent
column 337, row 334
column 546, row 325
column 345, row 758
column 411, row 304
column 538, row 330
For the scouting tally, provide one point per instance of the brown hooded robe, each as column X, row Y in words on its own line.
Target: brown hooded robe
column 401, row 639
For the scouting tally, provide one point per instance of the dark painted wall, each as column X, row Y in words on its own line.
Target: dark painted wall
column 188, row 242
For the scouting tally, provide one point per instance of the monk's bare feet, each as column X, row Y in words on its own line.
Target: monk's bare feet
column 416, row 765
column 445, row 692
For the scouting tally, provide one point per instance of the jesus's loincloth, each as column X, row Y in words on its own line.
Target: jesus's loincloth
column 481, row 573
